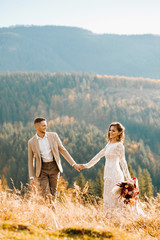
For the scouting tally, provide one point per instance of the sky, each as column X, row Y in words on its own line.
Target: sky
column 98, row 16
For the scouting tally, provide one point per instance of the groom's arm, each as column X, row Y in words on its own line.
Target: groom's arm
column 30, row 161
column 66, row 154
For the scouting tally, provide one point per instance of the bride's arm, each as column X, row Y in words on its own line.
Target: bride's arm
column 95, row 159
column 123, row 162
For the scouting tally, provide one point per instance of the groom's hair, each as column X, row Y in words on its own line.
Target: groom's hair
column 39, row 119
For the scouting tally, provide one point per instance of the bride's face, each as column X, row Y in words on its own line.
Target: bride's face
column 113, row 132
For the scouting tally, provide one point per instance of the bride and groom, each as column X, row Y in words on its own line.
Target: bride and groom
column 46, row 146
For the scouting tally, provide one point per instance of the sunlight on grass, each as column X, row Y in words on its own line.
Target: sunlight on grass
column 78, row 216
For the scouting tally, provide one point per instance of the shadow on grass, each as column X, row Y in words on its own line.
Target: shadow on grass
column 12, row 227
column 83, row 233
column 68, row 233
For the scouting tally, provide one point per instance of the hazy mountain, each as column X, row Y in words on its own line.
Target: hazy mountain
column 69, row 49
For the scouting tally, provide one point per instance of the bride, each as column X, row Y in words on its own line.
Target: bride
column 114, row 153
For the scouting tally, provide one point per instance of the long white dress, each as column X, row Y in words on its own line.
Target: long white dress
column 115, row 156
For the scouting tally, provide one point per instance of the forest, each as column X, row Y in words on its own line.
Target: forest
column 79, row 107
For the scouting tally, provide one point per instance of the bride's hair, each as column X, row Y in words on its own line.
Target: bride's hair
column 120, row 129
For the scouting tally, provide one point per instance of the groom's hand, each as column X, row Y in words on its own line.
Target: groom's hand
column 32, row 182
column 77, row 167
column 81, row 166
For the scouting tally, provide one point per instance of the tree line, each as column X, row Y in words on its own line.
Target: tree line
column 95, row 99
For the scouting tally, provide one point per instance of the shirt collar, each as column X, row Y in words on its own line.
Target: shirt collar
column 38, row 138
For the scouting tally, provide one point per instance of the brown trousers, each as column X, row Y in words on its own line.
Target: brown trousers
column 48, row 180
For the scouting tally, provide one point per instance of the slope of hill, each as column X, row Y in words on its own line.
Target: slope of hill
column 68, row 49
column 93, row 98
column 77, row 217
column 86, row 99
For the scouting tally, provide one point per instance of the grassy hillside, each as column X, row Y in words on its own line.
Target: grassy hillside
column 68, row 49
column 28, row 217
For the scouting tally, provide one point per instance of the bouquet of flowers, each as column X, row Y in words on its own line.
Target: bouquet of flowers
column 127, row 191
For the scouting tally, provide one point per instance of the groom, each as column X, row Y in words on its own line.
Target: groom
column 45, row 147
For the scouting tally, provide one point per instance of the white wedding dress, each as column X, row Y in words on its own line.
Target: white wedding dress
column 115, row 156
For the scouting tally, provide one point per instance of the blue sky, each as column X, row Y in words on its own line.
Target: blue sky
column 99, row 16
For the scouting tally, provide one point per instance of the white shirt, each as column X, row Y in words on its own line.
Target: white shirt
column 45, row 149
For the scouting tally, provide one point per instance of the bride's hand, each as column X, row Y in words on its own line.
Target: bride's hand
column 81, row 166
column 131, row 181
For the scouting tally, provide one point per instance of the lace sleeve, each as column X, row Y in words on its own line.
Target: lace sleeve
column 123, row 162
column 95, row 159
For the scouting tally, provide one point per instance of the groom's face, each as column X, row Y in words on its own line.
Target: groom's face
column 41, row 127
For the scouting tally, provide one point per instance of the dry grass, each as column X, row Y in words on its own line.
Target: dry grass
column 78, row 216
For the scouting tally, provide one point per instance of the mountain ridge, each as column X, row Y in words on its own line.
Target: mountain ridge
column 72, row 49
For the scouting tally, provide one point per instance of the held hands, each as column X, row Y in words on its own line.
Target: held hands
column 82, row 166
column 76, row 166
column 79, row 167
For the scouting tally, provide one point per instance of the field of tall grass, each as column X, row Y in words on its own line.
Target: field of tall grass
column 25, row 215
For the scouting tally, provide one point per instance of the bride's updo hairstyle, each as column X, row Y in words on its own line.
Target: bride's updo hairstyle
column 120, row 129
